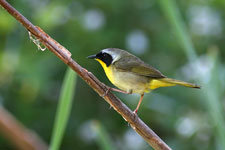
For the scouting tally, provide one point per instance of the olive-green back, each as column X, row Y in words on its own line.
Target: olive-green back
column 130, row 63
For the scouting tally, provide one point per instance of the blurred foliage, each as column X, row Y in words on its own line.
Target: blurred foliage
column 64, row 109
column 30, row 80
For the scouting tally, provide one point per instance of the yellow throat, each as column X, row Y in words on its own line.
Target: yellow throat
column 107, row 70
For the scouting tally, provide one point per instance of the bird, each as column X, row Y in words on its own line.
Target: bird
column 132, row 75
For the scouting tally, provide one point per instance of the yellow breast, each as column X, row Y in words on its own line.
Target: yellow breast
column 126, row 81
column 107, row 70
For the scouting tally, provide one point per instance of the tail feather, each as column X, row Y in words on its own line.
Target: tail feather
column 164, row 82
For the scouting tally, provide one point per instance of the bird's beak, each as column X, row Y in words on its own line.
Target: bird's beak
column 92, row 57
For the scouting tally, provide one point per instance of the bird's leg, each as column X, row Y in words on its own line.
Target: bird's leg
column 139, row 103
column 121, row 91
column 116, row 90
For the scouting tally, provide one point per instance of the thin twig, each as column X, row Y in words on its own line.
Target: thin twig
column 136, row 123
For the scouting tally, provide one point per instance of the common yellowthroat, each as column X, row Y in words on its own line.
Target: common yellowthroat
column 131, row 74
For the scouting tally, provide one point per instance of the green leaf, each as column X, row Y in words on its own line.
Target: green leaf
column 64, row 108
column 173, row 15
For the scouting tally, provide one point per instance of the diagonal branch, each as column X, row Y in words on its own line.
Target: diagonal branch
column 136, row 123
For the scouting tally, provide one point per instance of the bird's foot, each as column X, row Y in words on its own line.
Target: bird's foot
column 107, row 91
column 135, row 115
column 135, row 111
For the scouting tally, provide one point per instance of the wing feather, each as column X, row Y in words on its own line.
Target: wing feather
column 133, row 64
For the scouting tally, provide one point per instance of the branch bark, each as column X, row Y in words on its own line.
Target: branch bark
column 136, row 123
column 19, row 135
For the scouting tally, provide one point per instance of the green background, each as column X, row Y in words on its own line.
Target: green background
column 183, row 39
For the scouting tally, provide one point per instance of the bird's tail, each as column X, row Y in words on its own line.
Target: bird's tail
column 164, row 82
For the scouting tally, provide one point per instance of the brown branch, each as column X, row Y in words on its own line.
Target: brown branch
column 136, row 123
column 23, row 138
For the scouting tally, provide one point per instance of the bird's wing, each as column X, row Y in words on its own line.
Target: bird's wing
column 137, row 66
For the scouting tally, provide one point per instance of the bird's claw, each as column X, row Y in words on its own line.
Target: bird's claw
column 106, row 92
column 135, row 115
column 135, row 111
